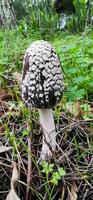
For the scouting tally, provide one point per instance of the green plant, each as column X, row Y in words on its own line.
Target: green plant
column 47, row 168
column 58, row 112
column 41, row 16
column 56, row 176
column 77, row 21
column 52, row 177
column 20, row 9
column 76, row 58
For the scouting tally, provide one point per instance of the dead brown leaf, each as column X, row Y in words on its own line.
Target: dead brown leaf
column 4, row 149
column 73, row 191
column 5, row 96
column 18, row 77
column 14, row 181
column 74, row 108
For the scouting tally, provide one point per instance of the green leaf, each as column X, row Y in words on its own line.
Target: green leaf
column 47, row 168
column 25, row 133
column 91, row 84
column 72, row 70
column 79, row 79
column 57, row 176
column 61, row 172
column 1, row 69
column 80, row 93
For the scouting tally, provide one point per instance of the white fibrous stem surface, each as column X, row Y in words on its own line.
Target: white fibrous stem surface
column 49, row 133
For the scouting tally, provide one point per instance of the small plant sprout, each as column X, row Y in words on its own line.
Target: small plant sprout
column 55, row 175
column 47, row 168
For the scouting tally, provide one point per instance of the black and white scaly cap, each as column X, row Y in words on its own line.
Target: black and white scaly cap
column 42, row 81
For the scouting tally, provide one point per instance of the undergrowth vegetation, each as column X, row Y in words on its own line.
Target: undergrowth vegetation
column 75, row 53
column 71, row 170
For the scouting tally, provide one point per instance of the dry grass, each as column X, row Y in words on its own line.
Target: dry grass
column 74, row 153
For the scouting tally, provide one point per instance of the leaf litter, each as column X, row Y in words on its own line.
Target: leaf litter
column 74, row 153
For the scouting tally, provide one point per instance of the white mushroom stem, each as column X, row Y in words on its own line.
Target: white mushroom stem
column 48, row 126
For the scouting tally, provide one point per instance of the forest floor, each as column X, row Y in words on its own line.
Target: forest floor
column 69, row 174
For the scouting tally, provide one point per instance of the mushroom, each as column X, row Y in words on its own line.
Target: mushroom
column 42, row 88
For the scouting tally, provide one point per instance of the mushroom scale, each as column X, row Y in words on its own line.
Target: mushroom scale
column 42, row 80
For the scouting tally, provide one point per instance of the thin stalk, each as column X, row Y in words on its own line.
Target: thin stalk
column 29, row 175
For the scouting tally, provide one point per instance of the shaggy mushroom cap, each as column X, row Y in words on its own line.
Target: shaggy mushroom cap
column 42, row 81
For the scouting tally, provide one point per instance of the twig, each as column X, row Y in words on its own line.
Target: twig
column 28, row 192
column 29, row 174
column 6, row 77
column 5, row 165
